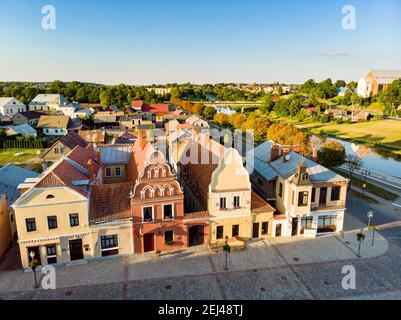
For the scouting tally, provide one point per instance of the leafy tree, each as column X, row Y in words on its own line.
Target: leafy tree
column 353, row 163
column 340, row 84
column 288, row 134
column 260, row 125
column 332, row 154
column 221, row 119
column 209, row 112
column 237, row 120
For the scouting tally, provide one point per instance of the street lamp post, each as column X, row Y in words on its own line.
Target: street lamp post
column 365, row 173
column 33, row 267
column 227, row 250
column 370, row 216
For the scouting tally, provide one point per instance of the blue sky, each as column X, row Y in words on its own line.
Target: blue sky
column 200, row 41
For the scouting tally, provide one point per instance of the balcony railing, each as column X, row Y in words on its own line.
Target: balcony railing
column 328, row 206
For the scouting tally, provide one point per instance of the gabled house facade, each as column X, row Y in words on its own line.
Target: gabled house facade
column 28, row 117
column 9, row 107
column 309, row 198
column 54, row 125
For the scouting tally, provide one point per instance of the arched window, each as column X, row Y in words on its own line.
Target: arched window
column 50, row 196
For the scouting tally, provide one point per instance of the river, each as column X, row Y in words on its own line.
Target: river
column 371, row 160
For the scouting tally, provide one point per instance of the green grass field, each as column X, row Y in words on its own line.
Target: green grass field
column 384, row 132
column 27, row 159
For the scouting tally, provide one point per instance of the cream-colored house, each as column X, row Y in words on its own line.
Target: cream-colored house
column 48, row 102
column 9, row 107
column 53, row 215
column 5, row 226
column 215, row 180
column 309, row 198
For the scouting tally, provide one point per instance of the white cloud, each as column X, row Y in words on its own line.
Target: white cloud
column 334, row 54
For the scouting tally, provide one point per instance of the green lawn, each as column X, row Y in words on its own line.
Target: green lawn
column 384, row 132
column 27, row 159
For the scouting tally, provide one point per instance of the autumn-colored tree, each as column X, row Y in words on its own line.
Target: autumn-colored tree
column 209, row 112
column 221, row 119
column 332, row 154
column 259, row 125
column 237, row 120
column 289, row 135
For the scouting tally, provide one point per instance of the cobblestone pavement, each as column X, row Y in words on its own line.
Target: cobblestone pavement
column 275, row 268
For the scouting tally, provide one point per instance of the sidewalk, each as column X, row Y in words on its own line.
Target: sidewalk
column 268, row 255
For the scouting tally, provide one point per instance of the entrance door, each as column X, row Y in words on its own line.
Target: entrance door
column 149, row 242
column 278, row 230
column 323, row 196
column 255, row 232
column 76, row 252
column 294, row 230
column 196, row 236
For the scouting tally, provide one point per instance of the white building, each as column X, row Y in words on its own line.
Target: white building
column 48, row 102
column 9, row 107
column 310, row 199
column 54, row 125
column 75, row 110
column 376, row 81
column 197, row 122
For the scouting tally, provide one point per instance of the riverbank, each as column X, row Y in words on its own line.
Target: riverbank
column 383, row 136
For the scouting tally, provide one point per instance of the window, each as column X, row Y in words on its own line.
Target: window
column 148, row 214
column 280, row 190
column 62, row 150
column 313, row 194
column 74, row 220
column 55, row 130
column 52, row 222
column 109, row 245
column 306, row 223
column 168, row 237
column 108, row 172
column 168, row 211
column 302, row 199
column 235, row 230
column 219, row 232
column 30, row 224
column 223, row 204
column 265, row 228
column 50, row 196
column 237, row 203
column 118, row 172
column 56, row 150
column 51, row 254
column 335, row 193
column 327, row 224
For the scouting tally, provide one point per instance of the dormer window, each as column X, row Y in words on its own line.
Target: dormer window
column 50, row 196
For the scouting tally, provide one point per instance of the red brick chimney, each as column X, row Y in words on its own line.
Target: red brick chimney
column 286, row 151
column 275, row 152
column 314, row 154
column 91, row 170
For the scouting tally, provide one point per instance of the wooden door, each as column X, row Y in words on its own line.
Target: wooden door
column 76, row 251
column 149, row 242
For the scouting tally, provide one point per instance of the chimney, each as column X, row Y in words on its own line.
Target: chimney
column 296, row 148
column 274, row 153
column 98, row 156
column 314, row 154
column 91, row 170
column 286, row 151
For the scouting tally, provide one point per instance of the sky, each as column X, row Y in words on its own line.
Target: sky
column 199, row 41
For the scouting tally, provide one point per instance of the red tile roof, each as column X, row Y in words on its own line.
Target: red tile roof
column 137, row 103
column 110, row 202
column 259, row 205
column 73, row 139
column 160, row 107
